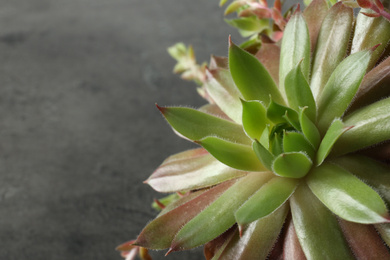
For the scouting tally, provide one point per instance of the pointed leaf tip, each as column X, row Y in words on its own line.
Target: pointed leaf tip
column 375, row 47
column 170, row 250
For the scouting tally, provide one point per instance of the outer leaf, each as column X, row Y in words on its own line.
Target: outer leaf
column 257, row 239
column 314, row 15
column 196, row 125
column 346, row 195
column 364, row 241
column 317, row 229
column 203, row 228
column 370, row 126
column 372, row 172
column 292, row 249
column 334, row 132
column 269, row 55
column 370, row 32
column 309, row 129
column 221, row 88
column 213, row 249
column 250, row 76
column 296, row 142
column 254, row 118
column 266, row 200
column 235, row 155
column 295, row 47
column 384, row 231
column 332, row 45
column 374, row 86
column 292, row 165
column 159, row 233
column 341, row 87
column 265, row 156
column 299, row 93
column 191, row 172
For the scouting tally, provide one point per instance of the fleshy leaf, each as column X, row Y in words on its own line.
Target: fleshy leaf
column 237, row 156
column 370, row 126
column 370, row 171
column 309, row 129
column 277, row 144
column 314, row 15
column 341, row 87
column 196, row 125
column 384, row 231
column 335, row 130
column 295, row 47
column 317, row 229
column 292, row 249
column 202, row 228
column 346, row 195
column 265, row 157
column 213, row 249
column 292, row 165
column 364, row 241
column 251, row 78
column 248, row 246
column 248, row 25
column 276, row 113
column 159, row 233
column 296, row 142
column 370, row 32
column 254, row 118
column 299, row 93
column 332, row 45
column 192, row 171
column 266, row 200
column 269, row 55
column 221, row 88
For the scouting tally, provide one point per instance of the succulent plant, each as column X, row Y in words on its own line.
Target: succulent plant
column 294, row 144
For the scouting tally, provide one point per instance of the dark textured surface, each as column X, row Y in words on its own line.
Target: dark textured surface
column 78, row 128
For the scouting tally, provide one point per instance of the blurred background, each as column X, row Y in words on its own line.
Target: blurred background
column 79, row 130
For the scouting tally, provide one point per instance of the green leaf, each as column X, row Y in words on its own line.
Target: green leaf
column 297, row 142
column 317, row 229
column 264, row 139
column 341, row 87
column 332, row 45
column 196, row 125
column 277, row 144
column 251, row 78
column 248, row 25
column 334, row 132
column 369, row 32
column 265, row 230
column 237, row 156
column 276, row 113
column 292, row 165
column 191, row 170
column 159, row 233
column 384, row 231
column 266, row 200
column 299, row 93
column 371, row 125
column 234, row 6
column 254, row 118
column 295, row 47
column 223, row 91
column 201, row 230
column 346, row 195
column 265, row 156
column 309, row 129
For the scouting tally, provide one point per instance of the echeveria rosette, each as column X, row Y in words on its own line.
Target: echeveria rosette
column 280, row 172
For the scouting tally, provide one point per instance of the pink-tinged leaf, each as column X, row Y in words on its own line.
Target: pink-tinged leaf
column 159, row 233
column 196, row 125
column 237, row 156
column 213, row 249
column 269, row 55
column 372, row 172
column 219, row 216
column 191, row 172
column 364, row 241
column 257, row 239
column 224, row 92
column 314, row 15
column 370, row 126
column 217, row 62
column 317, row 229
column 374, row 86
column 380, row 152
column 370, row 32
column 333, row 40
column 346, row 195
column 384, row 231
column 364, row 3
column 292, row 249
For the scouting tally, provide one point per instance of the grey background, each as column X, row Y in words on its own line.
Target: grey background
column 79, row 131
